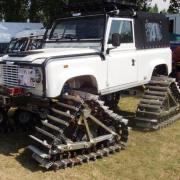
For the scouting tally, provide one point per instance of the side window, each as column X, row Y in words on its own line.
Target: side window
column 153, row 32
column 171, row 26
column 124, row 28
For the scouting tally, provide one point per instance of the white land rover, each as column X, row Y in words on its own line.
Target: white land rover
column 79, row 74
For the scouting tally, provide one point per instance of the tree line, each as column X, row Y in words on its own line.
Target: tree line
column 48, row 10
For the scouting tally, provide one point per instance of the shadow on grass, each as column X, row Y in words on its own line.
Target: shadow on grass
column 131, row 116
column 27, row 161
column 14, row 145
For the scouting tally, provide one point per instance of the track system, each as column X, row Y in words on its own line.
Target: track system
column 160, row 105
column 20, row 121
column 78, row 128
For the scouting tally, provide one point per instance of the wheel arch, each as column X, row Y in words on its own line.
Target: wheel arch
column 161, row 69
column 161, row 66
column 85, row 82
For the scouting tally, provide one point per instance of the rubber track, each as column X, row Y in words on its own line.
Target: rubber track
column 151, row 112
column 68, row 107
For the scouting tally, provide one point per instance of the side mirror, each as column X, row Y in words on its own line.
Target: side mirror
column 116, row 40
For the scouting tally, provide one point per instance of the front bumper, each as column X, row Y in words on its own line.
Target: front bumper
column 25, row 101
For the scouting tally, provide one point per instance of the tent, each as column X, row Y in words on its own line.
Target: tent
column 28, row 33
column 10, row 29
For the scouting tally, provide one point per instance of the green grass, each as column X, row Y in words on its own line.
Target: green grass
column 150, row 156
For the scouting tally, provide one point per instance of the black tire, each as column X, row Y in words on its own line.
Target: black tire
column 3, row 120
column 23, row 118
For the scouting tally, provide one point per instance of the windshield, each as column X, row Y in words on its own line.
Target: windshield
column 79, row 29
column 17, row 45
column 24, row 44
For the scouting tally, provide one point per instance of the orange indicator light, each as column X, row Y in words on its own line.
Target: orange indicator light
column 66, row 66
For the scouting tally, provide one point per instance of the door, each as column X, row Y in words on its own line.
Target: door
column 122, row 60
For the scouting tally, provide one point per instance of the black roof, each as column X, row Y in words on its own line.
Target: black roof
column 99, row 6
column 143, row 18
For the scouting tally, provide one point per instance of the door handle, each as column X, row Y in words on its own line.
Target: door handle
column 133, row 62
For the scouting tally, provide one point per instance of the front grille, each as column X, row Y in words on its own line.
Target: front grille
column 10, row 75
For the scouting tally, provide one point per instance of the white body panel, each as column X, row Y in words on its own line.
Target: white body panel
column 123, row 67
column 120, row 68
column 149, row 59
column 58, row 75
column 176, row 24
column 119, row 76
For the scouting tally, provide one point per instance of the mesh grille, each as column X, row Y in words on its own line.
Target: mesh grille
column 10, row 75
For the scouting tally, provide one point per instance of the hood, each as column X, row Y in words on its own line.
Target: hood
column 43, row 54
column 5, row 37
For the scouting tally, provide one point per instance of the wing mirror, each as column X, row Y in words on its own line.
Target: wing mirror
column 116, row 39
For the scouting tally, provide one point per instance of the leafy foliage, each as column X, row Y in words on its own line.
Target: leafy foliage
column 174, row 6
column 45, row 10
column 154, row 9
column 14, row 10
column 143, row 5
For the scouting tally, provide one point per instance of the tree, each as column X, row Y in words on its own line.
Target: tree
column 14, row 10
column 174, row 6
column 164, row 11
column 154, row 9
column 34, row 10
column 144, row 4
column 51, row 10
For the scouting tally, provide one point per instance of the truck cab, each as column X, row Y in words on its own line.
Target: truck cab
column 106, row 53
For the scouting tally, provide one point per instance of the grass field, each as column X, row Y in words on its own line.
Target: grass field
column 150, row 156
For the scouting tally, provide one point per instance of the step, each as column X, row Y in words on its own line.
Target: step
column 66, row 162
column 43, row 143
column 101, row 102
column 105, row 107
column 113, row 149
column 162, row 83
column 153, row 97
column 100, row 153
column 65, row 114
column 38, row 152
column 156, row 93
column 74, row 108
column 146, row 120
column 151, row 102
column 82, row 158
column 47, row 134
column 148, row 106
column 116, row 116
column 51, row 126
column 148, row 113
column 73, row 98
column 106, row 151
column 43, row 162
column 57, row 120
column 92, row 156
column 163, row 78
column 158, row 88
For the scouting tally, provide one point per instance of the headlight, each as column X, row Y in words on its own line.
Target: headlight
column 29, row 76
